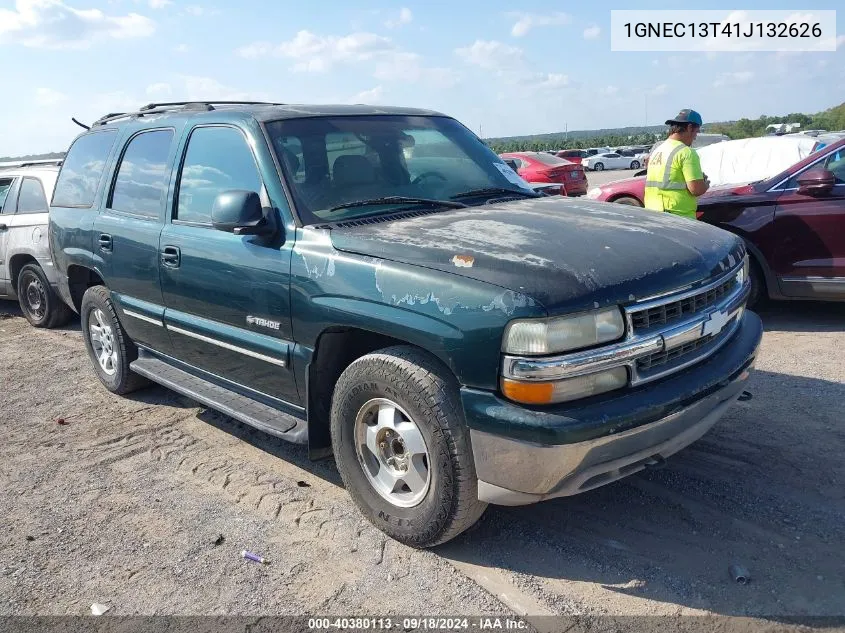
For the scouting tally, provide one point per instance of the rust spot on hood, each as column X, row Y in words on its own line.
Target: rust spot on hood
column 463, row 261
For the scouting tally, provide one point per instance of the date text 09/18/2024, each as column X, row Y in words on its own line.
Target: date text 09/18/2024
column 417, row 623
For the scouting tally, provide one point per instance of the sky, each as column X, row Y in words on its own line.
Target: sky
column 501, row 68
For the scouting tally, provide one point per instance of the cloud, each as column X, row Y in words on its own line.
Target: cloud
column 46, row 97
column 195, row 10
column 490, row 54
column 405, row 17
column 319, row 53
column 592, row 32
column 527, row 21
column 182, row 48
column 409, row 67
column 159, row 89
column 369, row 97
column 609, row 91
column 197, row 88
column 733, row 79
column 159, row 4
column 840, row 41
column 660, row 90
column 551, row 81
column 52, row 24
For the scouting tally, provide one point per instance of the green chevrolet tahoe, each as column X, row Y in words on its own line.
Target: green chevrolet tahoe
column 378, row 284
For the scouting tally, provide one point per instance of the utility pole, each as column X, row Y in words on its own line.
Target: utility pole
column 646, row 109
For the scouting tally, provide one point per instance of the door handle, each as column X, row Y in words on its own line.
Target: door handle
column 171, row 256
column 105, row 242
column 4, row 227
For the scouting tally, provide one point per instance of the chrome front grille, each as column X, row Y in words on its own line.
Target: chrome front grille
column 681, row 309
column 665, row 335
column 666, row 359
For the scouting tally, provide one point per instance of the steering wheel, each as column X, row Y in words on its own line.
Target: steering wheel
column 428, row 174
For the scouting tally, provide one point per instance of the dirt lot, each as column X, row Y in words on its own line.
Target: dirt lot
column 125, row 505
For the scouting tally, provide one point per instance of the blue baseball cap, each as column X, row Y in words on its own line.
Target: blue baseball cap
column 686, row 116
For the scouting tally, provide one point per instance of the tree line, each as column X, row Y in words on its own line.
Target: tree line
column 830, row 120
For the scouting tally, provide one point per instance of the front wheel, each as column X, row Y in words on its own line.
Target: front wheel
column 758, row 292
column 402, row 447
column 39, row 303
column 109, row 348
column 635, row 164
column 629, row 200
column 598, row 166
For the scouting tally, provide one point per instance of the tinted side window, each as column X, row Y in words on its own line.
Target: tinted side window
column 82, row 169
column 218, row 159
column 141, row 183
column 5, row 185
column 836, row 163
column 31, row 198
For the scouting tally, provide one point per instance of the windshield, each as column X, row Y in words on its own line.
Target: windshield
column 330, row 162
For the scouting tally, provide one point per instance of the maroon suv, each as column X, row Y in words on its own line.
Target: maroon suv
column 794, row 226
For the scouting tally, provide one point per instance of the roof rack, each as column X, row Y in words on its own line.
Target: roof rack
column 174, row 106
column 46, row 162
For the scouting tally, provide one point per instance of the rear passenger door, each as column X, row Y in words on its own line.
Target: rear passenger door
column 126, row 234
column 227, row 296
column 7, row 209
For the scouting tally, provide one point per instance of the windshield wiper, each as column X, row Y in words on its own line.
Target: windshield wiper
column 451, row 204
column 492, row 190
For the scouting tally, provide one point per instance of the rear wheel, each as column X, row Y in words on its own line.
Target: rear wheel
column 109, row 348
column 635, row 164
column 598, row 166
column 629, row 200
column 39, row 303
column 402, row 447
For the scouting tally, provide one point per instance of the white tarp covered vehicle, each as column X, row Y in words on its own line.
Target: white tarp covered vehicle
column 751, row 159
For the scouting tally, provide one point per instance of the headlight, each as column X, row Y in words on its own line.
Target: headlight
column 567, row 389
column 560, row 334
column 594, row 193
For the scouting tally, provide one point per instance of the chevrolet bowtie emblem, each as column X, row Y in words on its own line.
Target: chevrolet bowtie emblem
column 714, row 324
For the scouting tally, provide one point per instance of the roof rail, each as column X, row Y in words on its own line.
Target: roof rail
column 174, row 106
column 46, row 162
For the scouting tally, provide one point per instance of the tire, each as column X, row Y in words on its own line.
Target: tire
column 758, row 293
column 635, row 164
column 629, row 200
column 39, row 303
column 598, row 167
column 404, row 386
column 97, row 312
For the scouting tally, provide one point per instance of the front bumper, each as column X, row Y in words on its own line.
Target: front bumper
column 528, row 454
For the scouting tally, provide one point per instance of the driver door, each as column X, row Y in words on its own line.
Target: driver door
column 810, row 261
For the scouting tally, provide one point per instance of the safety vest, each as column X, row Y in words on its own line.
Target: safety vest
column 669, row 168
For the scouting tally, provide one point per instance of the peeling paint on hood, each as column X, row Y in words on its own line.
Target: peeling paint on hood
column 562, row 253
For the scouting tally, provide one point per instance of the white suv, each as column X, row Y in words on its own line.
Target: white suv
column 26, row 267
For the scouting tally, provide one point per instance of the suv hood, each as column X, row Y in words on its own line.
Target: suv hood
column 565, row 254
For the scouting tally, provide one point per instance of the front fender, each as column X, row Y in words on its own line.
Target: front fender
column 459, row 320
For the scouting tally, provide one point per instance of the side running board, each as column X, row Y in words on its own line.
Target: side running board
column 237, row 406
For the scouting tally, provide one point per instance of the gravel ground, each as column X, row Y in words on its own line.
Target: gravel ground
column 144, row 504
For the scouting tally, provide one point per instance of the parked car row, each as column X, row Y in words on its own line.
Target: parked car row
column 542, row 167
column 379, row 285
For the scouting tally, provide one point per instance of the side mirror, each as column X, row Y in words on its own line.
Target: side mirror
column 816, row 182
column 240, row 212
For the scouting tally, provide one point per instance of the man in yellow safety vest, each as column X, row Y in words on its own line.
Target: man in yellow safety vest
column 674, row 179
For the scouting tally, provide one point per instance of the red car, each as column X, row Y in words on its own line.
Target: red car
column 793, row 224
column 543, row 167
column 572, row 155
